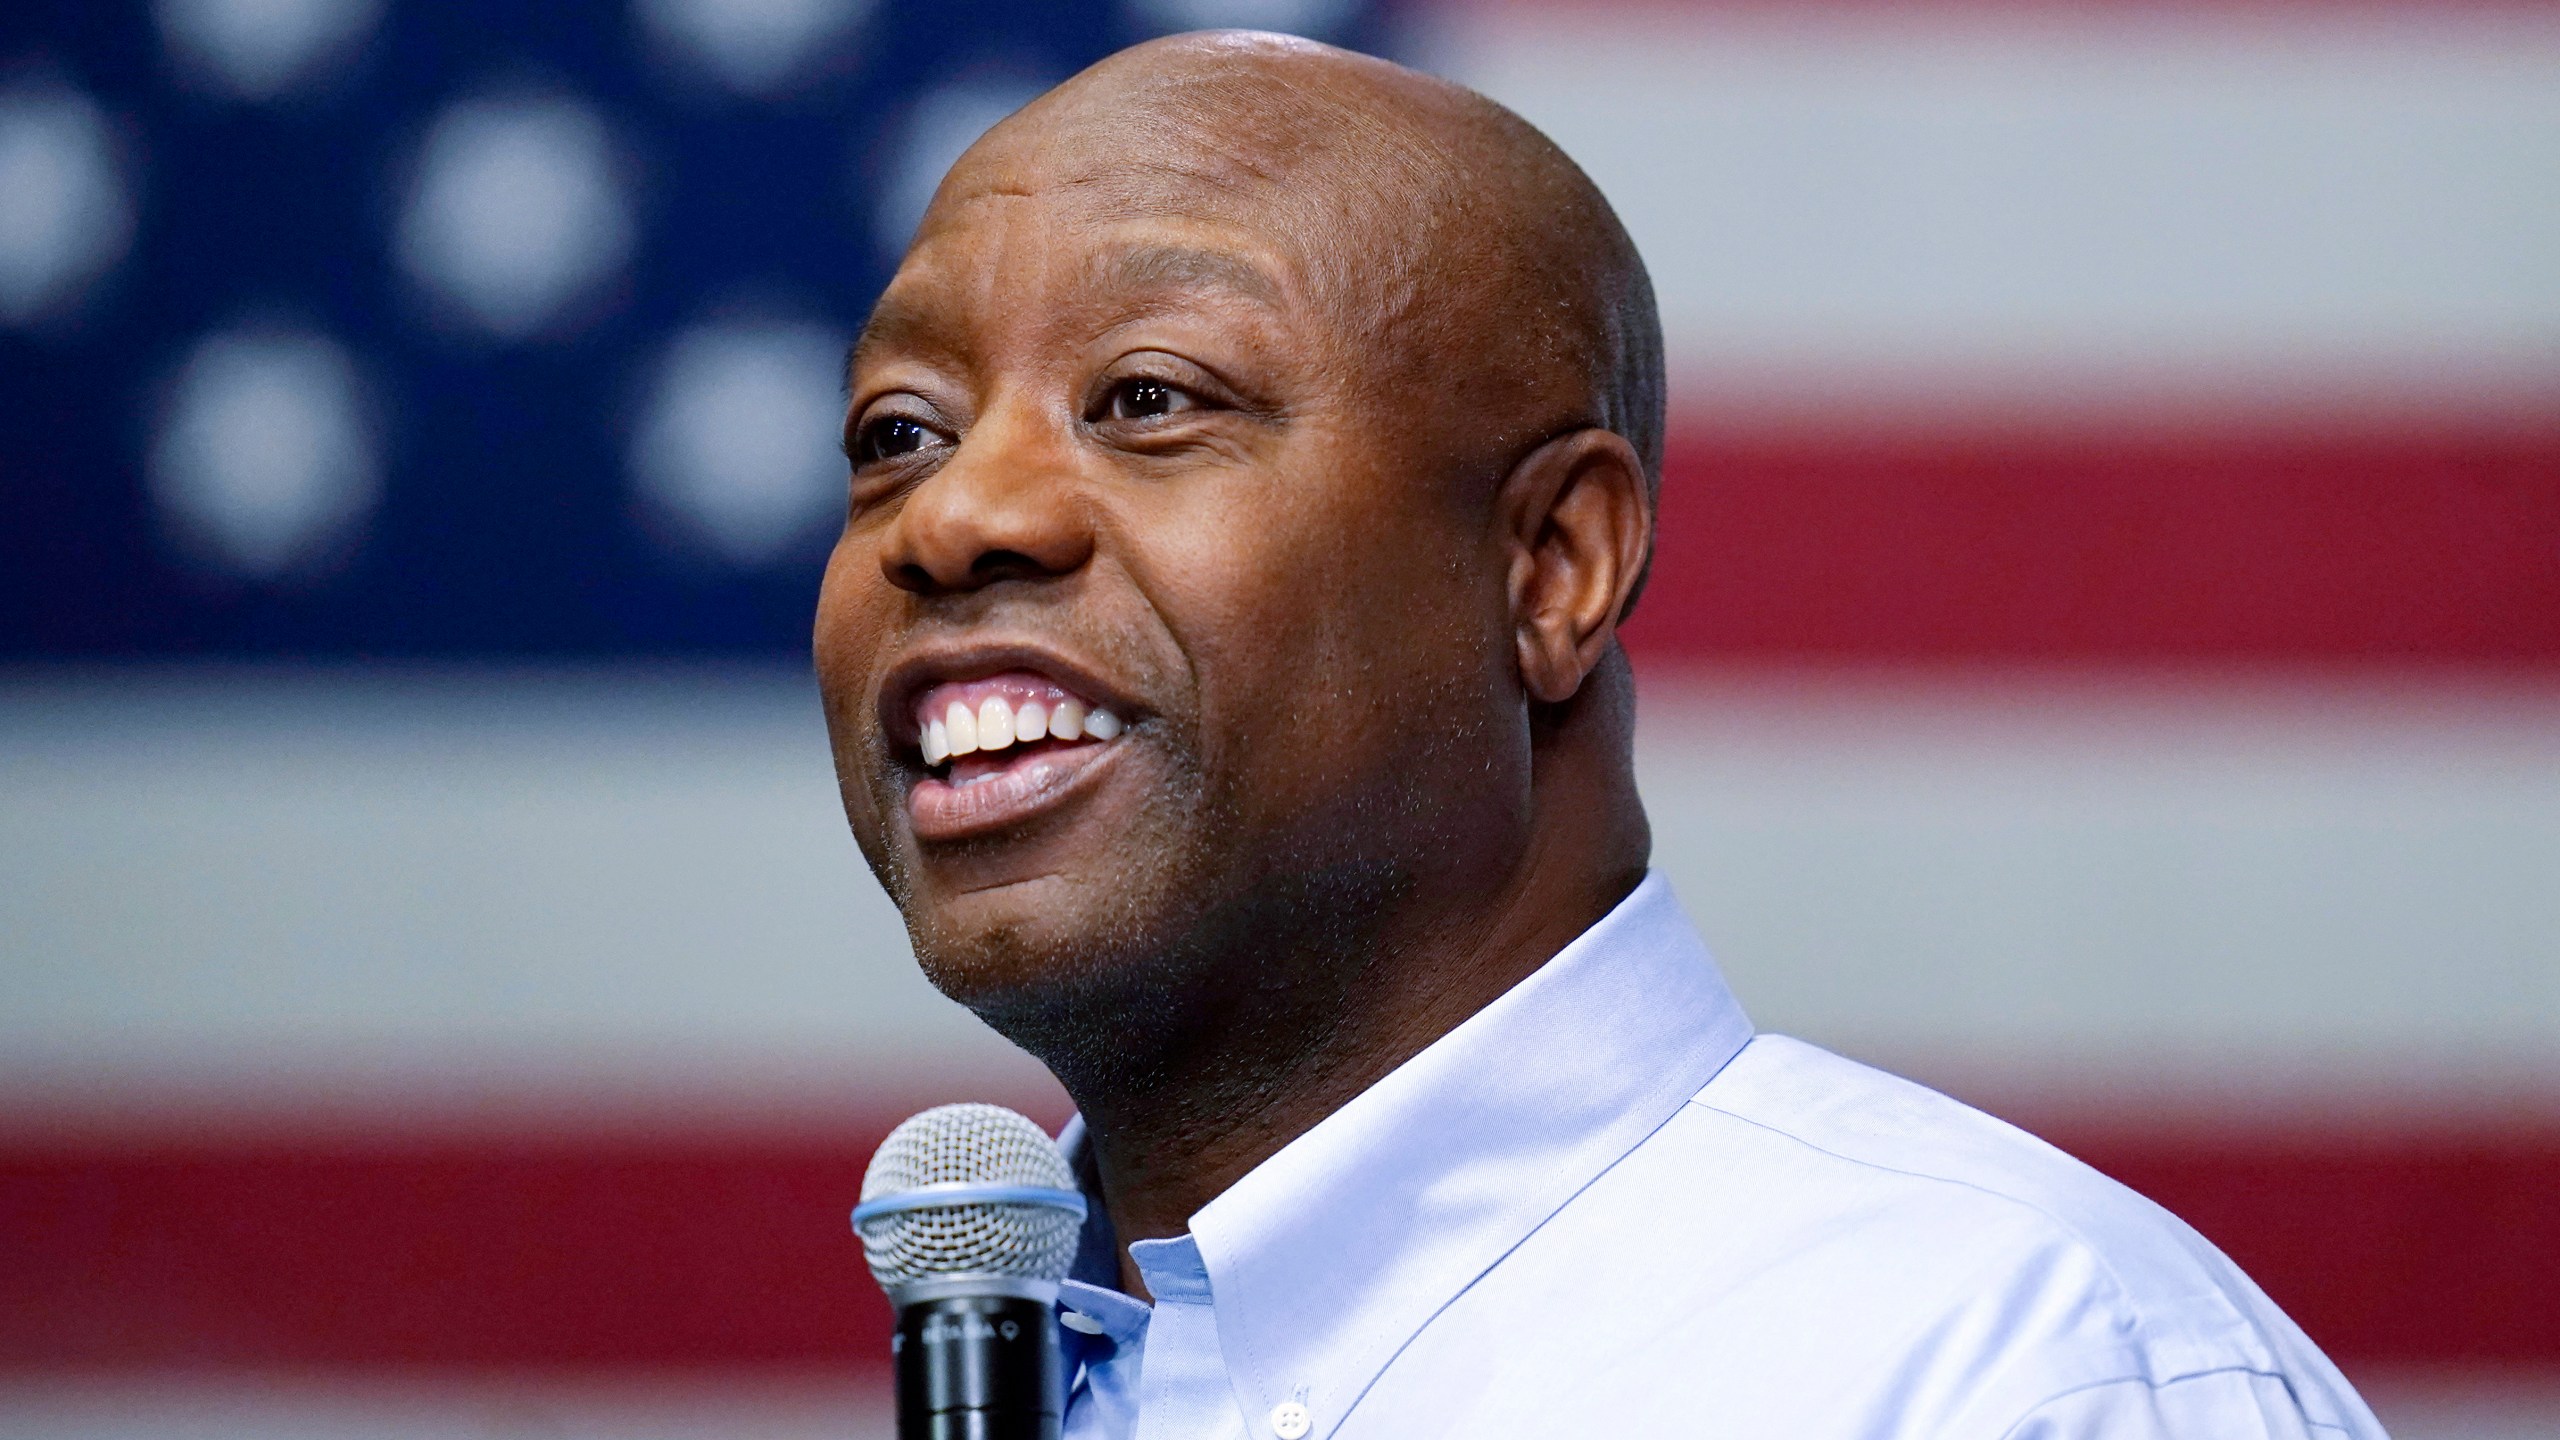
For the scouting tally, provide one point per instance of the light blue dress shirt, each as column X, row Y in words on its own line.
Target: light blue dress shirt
column 1603, row 1206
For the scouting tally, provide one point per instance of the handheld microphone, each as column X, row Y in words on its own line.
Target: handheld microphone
column 969, row 1219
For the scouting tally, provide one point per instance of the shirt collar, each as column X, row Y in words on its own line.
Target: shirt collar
column 1332, row 1254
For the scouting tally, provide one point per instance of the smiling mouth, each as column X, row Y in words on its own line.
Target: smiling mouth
column 999, row 749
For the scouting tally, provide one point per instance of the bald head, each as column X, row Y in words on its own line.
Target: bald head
column 1454, row 242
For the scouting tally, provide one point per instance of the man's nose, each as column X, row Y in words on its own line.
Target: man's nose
column 1005, row 506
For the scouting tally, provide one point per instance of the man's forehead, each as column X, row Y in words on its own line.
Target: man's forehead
column 1116, row 154
column 1279, row 175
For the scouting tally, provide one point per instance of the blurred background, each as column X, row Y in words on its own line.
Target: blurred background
column 2103, row 659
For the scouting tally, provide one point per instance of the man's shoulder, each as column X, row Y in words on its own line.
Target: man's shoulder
column 1965, row 1225
column 1805, row 1141
column 1812, row 1248
column 1847, row 1133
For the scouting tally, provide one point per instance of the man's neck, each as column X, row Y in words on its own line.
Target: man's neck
column 1277, row 1062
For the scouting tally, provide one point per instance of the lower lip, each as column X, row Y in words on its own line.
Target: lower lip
column 939, row 810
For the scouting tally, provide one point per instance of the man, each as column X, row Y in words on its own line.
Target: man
column 1252, row 461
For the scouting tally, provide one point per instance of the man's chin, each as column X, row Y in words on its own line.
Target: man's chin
column 1013, row 938
column 1086, row 995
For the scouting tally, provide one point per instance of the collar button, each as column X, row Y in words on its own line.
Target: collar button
column 1290, row 1421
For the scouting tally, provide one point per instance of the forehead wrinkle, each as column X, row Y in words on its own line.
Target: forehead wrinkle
column 1147, row 162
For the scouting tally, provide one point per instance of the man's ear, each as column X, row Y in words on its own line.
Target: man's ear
column 1577, row 520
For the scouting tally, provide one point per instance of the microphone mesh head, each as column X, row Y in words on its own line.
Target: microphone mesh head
column 973, row 1145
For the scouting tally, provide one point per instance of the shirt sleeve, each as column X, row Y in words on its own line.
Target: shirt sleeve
column 2215, row 1405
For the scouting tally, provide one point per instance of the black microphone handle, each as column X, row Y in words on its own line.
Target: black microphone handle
column 978, row 1367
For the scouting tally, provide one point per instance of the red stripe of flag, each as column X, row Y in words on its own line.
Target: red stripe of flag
column 498, row 1253
column 2287, row 545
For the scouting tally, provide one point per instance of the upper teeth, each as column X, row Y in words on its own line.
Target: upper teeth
column 996, row 725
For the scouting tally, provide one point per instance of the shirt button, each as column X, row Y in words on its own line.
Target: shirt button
column 1290, row 1421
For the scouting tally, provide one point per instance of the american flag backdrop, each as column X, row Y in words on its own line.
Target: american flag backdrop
column 2103, row 656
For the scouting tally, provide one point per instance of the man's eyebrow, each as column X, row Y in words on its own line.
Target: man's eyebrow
column 1137, row 268
column 890, row 325
column 1181, row 267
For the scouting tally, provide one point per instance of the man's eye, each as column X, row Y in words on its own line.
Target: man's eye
column 1145, row 399
column 888, row 438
